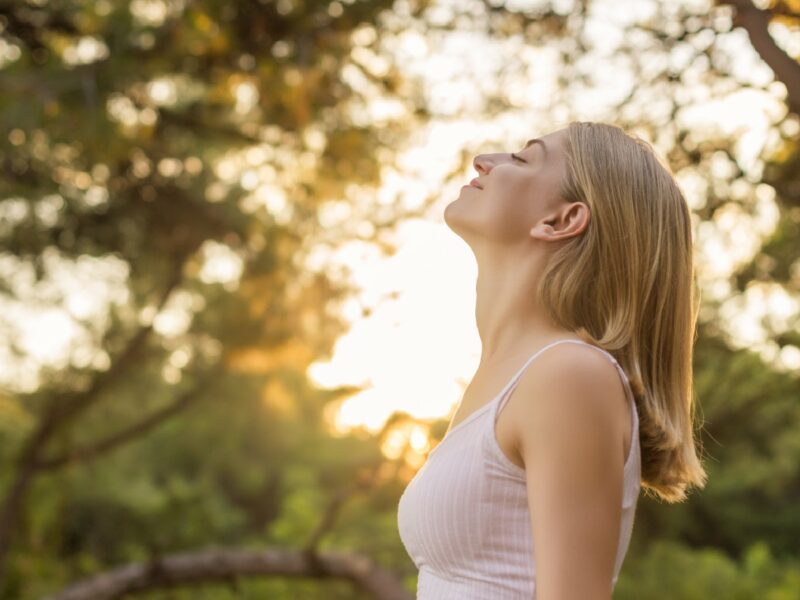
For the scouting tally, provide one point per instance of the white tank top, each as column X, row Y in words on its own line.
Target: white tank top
column 464, row 518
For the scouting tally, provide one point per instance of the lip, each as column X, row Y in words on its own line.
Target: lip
column 474, row 183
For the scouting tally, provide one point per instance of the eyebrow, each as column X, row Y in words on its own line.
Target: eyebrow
column 536, row 141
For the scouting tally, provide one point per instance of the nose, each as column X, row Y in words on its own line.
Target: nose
column 480, row 163
column 483, row 163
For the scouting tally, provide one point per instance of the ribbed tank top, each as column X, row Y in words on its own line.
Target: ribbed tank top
column 464, row 518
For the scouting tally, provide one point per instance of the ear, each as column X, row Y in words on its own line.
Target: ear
column 564, row 224
column 543, row 231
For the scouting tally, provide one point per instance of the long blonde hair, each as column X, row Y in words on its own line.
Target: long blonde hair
column 628, row 285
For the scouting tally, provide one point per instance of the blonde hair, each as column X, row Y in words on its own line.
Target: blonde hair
column 627, row 284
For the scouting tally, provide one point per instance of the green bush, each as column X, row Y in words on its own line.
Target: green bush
column 670, row 570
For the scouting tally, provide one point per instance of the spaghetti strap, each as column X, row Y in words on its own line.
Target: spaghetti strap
column 506, row 393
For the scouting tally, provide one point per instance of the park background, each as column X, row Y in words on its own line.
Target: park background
column 234, row 322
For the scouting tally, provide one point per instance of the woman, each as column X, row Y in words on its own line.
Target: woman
column 586, row 310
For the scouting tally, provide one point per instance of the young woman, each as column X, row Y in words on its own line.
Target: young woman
column 586, row 310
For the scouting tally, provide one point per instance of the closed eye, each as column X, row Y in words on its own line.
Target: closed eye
column 514, row 156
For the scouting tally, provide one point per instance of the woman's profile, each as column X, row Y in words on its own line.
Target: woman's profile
column 586, row 309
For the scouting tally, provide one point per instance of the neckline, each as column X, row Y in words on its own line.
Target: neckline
column 469, row 417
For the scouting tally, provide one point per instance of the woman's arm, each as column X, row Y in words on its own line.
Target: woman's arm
column 568, row 428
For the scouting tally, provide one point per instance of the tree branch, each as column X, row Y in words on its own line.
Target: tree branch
column 365, row 480
column 61, row 410
column 67, row 407
column 221, row 565
column 133, row 431
column 334, row 506
column 786, row 69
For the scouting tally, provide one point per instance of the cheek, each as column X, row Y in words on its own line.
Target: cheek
column 513, row 184
column 515, row 198
column 503, row 211
column 509, row 217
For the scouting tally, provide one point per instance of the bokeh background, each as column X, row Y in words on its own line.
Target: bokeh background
column 234, row 322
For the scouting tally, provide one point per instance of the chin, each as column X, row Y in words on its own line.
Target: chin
column 454, row 216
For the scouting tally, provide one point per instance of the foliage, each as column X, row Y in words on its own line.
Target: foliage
column 672, row 570
column 144, row 141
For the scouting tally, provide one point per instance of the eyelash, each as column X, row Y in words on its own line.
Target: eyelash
column 516, row 157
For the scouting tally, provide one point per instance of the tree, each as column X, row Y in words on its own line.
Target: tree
column 158, row 140
column 162, row 140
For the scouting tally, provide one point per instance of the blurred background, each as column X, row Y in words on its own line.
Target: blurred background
column 234, row 322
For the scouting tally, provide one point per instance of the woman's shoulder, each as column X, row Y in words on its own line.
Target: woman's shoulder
column 567, row 387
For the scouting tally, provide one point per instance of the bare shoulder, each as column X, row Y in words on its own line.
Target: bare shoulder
column 572, row 389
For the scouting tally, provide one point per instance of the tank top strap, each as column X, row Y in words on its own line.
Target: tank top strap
column 506, row 392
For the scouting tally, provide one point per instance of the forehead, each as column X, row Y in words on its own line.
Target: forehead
column 551, row 143
column 554, row 138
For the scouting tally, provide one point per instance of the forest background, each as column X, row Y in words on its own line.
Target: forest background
column 203, row 203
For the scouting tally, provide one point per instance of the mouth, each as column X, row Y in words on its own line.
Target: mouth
column 474, row 183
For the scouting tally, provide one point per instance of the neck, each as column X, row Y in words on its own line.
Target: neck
column 510, row 319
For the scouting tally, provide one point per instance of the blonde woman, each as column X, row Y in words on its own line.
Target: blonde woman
column 586, row 310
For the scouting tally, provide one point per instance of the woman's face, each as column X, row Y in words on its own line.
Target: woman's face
column 518, row 190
